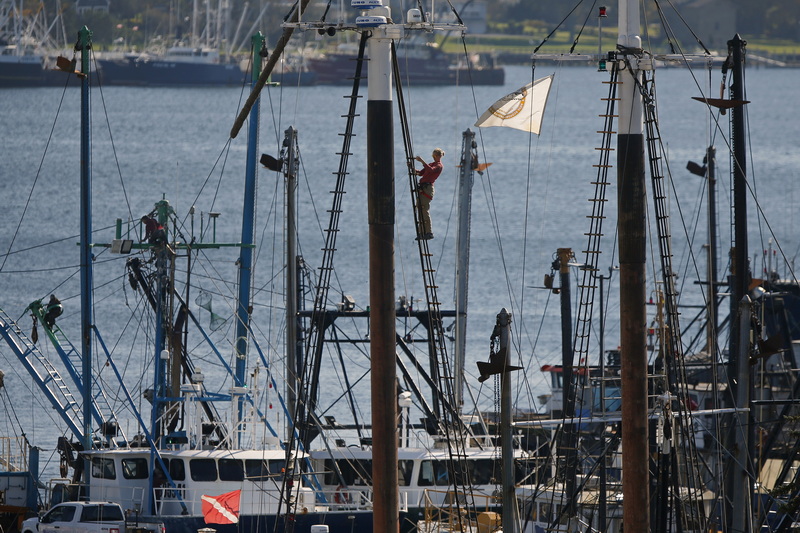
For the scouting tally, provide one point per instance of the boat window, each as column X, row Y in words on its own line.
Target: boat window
column 442, row 475
column 613, row 395
column 277, row 467
column 523, row 469
column 485, row 471
column 102, row 513
column 544, row 513
column 426, row 478
column 135, row 469
column 103, row 468
column 256, row 468
column 433, row 473
column 177, row 470
column 203, row 469
column 528, row 509
column 557, row 514
column 231, row 470
column 64, row 513
column 330, row 473
column 363, row 472
column 405, row 468
column 353, row 472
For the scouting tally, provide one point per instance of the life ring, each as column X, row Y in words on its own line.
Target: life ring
column 342, row 495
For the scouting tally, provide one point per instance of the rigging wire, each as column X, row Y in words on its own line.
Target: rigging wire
column 580, row 32
column 686, row 24
column 111, row 135
column 222, row 157
column 36, row 177
column 547, row 37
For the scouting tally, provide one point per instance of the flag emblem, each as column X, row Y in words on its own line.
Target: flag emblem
column 523, row 109
column 222, row 509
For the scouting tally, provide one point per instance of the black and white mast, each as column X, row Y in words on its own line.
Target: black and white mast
column 632, row 223
column 381, row 216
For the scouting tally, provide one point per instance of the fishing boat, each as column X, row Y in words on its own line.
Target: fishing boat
column 421, row 63
column 194, row 61
column 178, row 65
column 651, row 438
column 20, row 68
column 580, row 502
column 28, row 51
column 188, row 466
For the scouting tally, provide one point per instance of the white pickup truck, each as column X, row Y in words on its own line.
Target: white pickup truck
column 87, row 517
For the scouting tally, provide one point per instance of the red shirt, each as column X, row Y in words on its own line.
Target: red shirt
column 150, row 225
column 430, row 172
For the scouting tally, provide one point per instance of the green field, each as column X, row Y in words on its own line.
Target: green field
column 562, row 41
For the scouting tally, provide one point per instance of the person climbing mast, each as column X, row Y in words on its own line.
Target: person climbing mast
column 153, row 231
column 52, row 311
column 428, row 173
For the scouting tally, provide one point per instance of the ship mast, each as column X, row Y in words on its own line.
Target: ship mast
column 381, row 215
column 84, row 44
column 632, row 249
column 244, row 307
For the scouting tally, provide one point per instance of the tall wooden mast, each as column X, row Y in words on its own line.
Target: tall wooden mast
column 632, row 220
column 381, row 215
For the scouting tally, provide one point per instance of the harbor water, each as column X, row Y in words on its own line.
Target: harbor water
column 173, row 143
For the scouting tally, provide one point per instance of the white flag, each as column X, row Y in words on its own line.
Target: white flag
column 523, row 109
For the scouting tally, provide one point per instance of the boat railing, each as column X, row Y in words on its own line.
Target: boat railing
column 444, row 510
column 360, row 497
column 14, row 452
column 441, row 503
column 255, row 498
column 60, row 490
column 348, row 497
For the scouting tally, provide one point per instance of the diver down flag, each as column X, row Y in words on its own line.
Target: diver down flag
column 222, row 509
column 523, row 109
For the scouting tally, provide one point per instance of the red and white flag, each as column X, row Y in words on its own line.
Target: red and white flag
column 222, row 509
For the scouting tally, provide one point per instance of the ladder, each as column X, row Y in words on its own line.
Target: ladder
column 44, row 374
column 450, row 424
column 307, row 399
column 660, row 201
column 588, row 284
column 684, row 451
column 72, row 359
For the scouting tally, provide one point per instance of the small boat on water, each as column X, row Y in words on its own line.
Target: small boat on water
column 20, row 68
column 177, row 66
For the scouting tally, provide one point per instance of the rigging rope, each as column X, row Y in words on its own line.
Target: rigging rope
column 557, row 26
column 111, row 136
column 580, row 32
column 36, row 177
column 455, row 431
